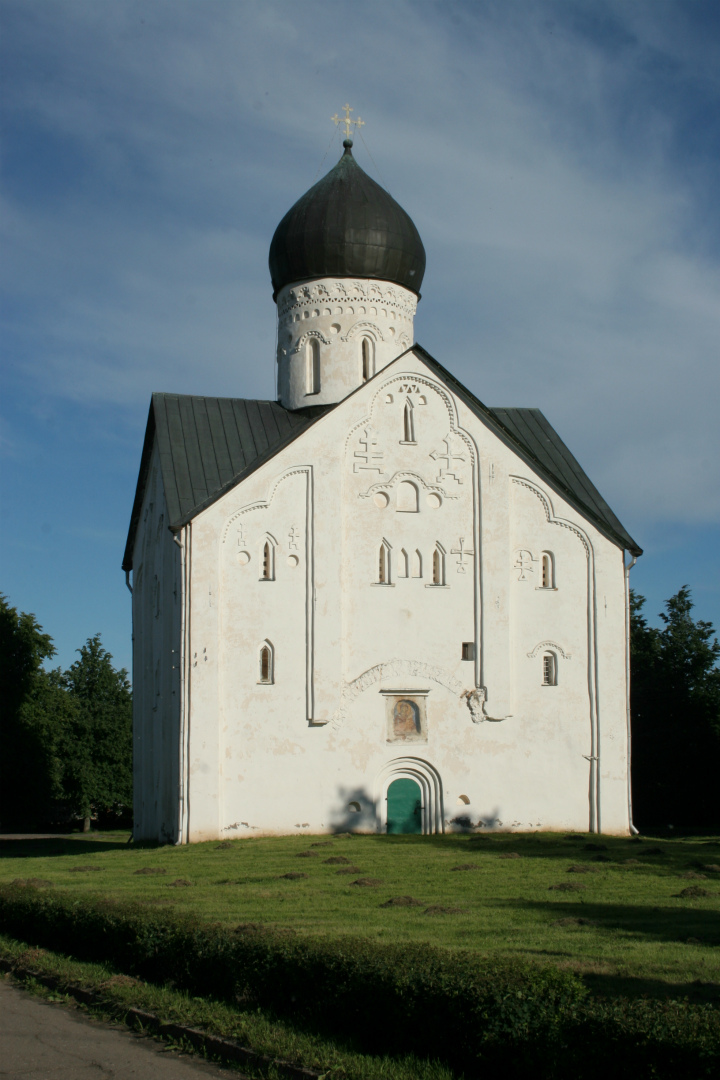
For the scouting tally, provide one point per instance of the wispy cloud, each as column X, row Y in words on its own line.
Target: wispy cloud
column 558, row 158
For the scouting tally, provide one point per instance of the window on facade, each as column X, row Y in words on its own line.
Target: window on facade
column 468, row 650
column 267, row 663
column 549, row 672
column 438, row 565
column 417, row 565
column 408, row 422
column 312, row 360
column 403, row 564
column 384, row 564
column 368, row 359
column 547, row 571
column 268, row 561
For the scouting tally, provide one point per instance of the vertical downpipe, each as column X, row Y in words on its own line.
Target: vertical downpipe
column 182, row 831
column 628, row 568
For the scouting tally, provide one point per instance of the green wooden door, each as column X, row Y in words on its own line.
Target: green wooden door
column 404, row 807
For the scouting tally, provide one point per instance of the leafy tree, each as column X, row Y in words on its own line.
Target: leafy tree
column 65, row 738
column 28, row 772
column 675, row 708
column 97, row 742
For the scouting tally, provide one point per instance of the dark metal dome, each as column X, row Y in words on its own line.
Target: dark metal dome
column 346, row 225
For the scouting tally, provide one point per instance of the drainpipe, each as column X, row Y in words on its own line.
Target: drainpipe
column 628, row 568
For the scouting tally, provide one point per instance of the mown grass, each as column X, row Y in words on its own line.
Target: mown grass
column 626, row 929
column 254, row 1030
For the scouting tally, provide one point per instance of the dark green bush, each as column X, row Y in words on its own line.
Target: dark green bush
column 507, row 1017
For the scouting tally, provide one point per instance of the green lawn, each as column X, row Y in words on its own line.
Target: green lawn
column 623, row 926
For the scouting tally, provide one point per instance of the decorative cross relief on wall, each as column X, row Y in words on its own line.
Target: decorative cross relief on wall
column 449, row 470
column 369, row 459
column 462, row 551
column 293, row 537
column 524, row 560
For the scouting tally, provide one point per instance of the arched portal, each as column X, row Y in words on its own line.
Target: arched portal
column 425, row 779
column 404, row 806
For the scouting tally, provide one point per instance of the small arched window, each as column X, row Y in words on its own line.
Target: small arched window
column 312, row 361
column 407, row 497
column 403, row 564
column 266, row 663
column 438, row 565
column 547, row 570
column 367, row 358
column 549, row 669
column 267, row 561
column 384, row 564
column 417, row 565
column 408, row 423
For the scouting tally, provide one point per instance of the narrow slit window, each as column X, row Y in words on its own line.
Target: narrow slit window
column 549, row 671
column 408, row 423
column 267, row 663
column 547, row 571
column 438, row 566
column 367, row 359
column 384, row 564
column 417, row 565
column 403, row 564
column 268, row 561
column 312, row 359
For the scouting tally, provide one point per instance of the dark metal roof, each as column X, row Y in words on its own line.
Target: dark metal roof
column 346, row 225
column 207, row 445
column 528, row 431
column 542, row 442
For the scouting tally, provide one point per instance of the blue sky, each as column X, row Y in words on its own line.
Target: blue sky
column 560, row 160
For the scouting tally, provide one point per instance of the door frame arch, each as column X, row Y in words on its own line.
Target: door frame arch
column 428, row 778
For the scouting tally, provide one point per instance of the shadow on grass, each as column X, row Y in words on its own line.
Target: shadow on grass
column 687, row 925
column 61, row 845
column 676, row 855
column 619, row 986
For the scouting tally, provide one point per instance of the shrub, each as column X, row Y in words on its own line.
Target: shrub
column 508, row 1015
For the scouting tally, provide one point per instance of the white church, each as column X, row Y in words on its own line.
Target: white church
column 374, row 604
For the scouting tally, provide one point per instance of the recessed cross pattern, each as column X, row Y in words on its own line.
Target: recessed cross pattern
column 369, row 459
column 293, row 537
column 449, row 458
column 462, row 551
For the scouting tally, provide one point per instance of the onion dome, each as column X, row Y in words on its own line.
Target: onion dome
column 346, row 225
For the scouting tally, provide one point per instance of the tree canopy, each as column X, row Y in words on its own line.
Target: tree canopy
column 66, row 736
column 675, row 710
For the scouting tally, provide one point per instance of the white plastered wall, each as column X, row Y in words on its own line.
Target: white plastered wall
column 157, row 685
column 310, row 751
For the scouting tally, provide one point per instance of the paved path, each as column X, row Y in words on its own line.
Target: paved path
column 43, row 1041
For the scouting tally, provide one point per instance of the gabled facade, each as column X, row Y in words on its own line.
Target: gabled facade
column 375, row 604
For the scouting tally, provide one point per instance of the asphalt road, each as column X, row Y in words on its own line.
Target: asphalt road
column 40, row 1040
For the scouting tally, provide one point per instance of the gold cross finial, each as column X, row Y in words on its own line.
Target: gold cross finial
column 346, row 120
